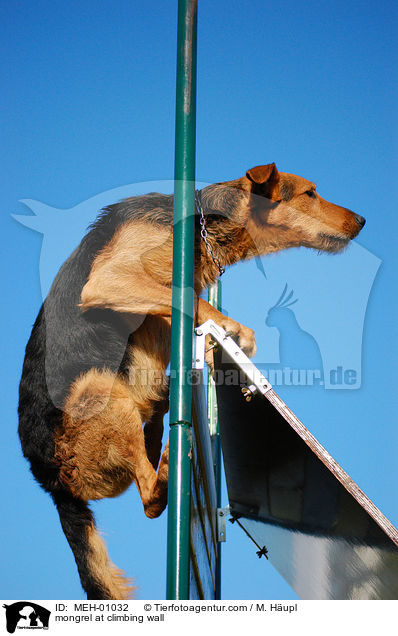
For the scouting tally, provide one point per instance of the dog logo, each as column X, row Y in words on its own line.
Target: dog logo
column 26, row 615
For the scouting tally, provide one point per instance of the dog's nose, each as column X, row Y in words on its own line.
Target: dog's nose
column 360, row 220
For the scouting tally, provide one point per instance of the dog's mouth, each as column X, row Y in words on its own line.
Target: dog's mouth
column 334, row 244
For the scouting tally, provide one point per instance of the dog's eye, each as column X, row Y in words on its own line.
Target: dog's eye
column 311, row 193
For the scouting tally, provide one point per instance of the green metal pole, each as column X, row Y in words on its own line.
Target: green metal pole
column 214, row 298
column 183, row 304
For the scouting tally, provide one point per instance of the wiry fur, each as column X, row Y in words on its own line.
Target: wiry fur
column 95, row 363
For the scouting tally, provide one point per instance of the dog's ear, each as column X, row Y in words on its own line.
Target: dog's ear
column 265, row 180
column 262, row 174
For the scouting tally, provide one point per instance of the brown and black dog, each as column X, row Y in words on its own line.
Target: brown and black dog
column 101, row 342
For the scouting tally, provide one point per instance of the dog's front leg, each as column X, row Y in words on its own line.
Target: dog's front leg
column 127, row 292
column 244, row 336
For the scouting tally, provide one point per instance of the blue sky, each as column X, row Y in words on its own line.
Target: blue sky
column 88, row 106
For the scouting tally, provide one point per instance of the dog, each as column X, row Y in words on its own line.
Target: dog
column 101, row 341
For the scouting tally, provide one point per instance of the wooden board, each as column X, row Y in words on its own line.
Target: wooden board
column 322, row 533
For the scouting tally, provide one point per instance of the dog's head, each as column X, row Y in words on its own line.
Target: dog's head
column 292, row 213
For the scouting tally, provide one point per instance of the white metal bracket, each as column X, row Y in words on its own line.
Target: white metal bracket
column 256, row 380
column 222, row 514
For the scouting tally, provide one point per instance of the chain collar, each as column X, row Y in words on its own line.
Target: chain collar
column 204, row 233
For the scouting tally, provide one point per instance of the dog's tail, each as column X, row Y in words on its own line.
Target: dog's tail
column 100, row 578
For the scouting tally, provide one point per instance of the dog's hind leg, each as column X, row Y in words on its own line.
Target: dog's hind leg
column 153, row 429
column 100, row 447
column 153, row 432
column 100, row 451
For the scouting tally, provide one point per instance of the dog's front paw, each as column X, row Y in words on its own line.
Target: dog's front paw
column 243, row 336
column 247, row 341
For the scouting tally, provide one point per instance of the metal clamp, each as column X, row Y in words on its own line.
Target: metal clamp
column 222, row 514
column 208, row 328
column 258, row 382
